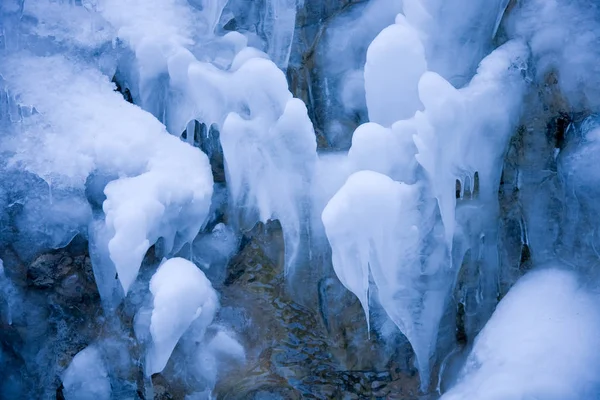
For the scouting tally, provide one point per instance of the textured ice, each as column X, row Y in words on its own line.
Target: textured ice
column 563, row 37
column 86, row 378
column 182, row 297
column 81, row 126
column 539, row 344
column 212, row 251
column 153, row 29
column 65, row 24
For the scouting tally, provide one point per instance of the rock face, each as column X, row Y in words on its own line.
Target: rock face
column 318, row 349
column 57, row 314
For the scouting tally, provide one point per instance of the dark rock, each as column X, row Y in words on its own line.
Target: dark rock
column 48, row 269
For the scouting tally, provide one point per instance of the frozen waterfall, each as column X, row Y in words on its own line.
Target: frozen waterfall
column 267, row 199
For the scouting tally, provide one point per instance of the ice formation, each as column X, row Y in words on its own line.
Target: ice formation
column 395, row 63
column 427, row 153
column 81, row 127
column 449, row 127
column 182, row 296
column 375, row 228
column 240, row 91
column 86, row 378
column 482, row 116
column 510, row 360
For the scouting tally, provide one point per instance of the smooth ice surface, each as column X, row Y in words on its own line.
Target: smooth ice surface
column 539, row 344
column 86, row 378
column 390, row 151
column 182, row 296
column 395, row 63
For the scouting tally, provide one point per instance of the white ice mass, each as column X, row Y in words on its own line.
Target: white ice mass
column 182, row 296
column 201, row 192
column 510, row 360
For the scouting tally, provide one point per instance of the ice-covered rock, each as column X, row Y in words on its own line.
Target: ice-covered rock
column 278, row 27
column 563, row 37
column 410, row 211
column 182, row 297
column 541, row 343
column 336, row 81
column 387, row 230
column 82, row 126
column 445, row 138
column 218, row 353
